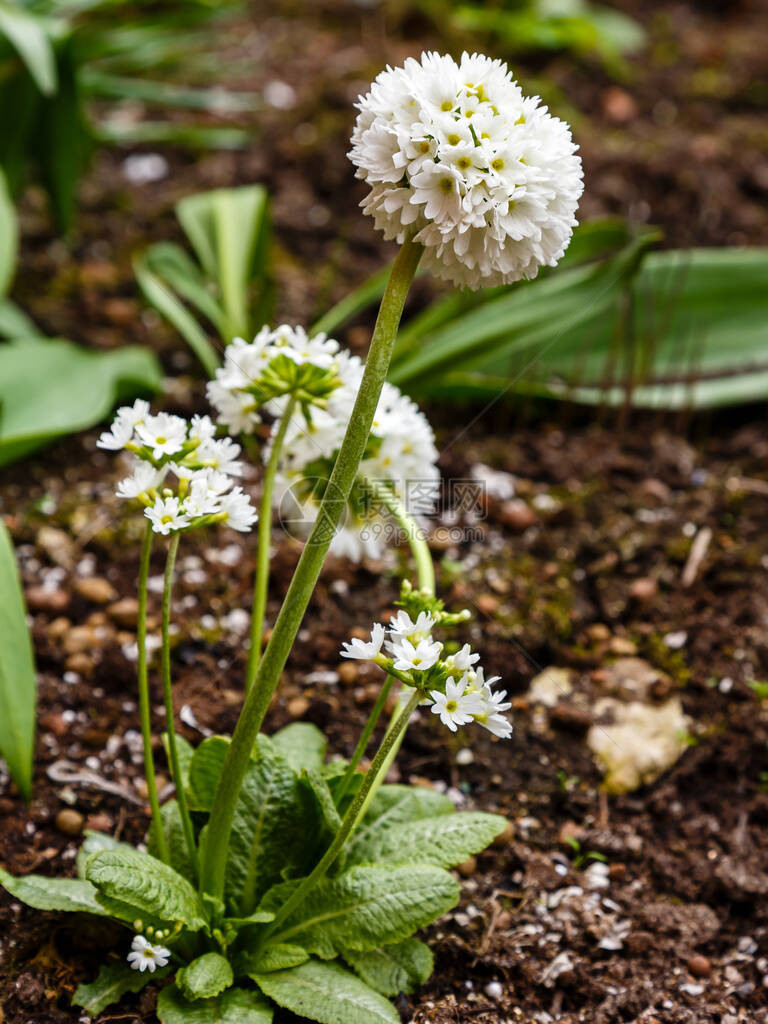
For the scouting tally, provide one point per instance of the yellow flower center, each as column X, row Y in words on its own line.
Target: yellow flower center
column 451, row 705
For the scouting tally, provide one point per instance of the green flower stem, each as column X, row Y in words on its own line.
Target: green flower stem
column 261, row 583
column 173, row 751
column 145, row 713
column 425, row 568
column 350, row 818
column 308, row 569
column 426, row 574
column 362, row 744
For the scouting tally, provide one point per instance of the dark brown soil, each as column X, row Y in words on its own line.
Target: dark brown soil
column 587, row 569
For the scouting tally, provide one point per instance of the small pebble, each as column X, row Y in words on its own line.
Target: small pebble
column 297, row 707
column 69, row 821
column 41, row 599
column 505, row 838
column 699, row 966
column 468, row 867
column 465, row 756
column 96, row 589
column 644, row 589
column 124, row 612
column 517, row 515
column 494, row 990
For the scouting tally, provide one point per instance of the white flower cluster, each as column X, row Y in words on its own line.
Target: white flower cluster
column 455, row 686
column 401, row 452
column 482, row 176
column 146, row 957
column 245, row 363
column 205, row 470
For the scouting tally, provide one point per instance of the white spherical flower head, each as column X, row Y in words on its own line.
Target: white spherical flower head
column 146, row 957
column 482, row 176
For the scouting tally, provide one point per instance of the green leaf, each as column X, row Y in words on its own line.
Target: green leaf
column 18, row 684
column 95, row 842
column 42, row 383
column 302, row 745
column 205, row 977
column 185, row 750
column 137, row 880
column 268, row 835
column 228, row 230
column 176, row 840
column 257, row 917
column 9, row 237
column 324, row 799
column 63, row 139
column 235, row 1006
column 159, row 295
column 71, row 894
column 366, row 907
column 204, row 771
column 522, row 322
column 274, row 958
column 445, row 840
column 14, row 322
column 326, row 993
column 394, row 805
column 112, row 982
column 27, row 34
column 401, row 967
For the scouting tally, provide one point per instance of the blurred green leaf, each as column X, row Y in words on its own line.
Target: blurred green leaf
column 9, row 237
column 70, row 389
column 27, row 34
column 230, row 286
column 18, row 688
column 674, row 329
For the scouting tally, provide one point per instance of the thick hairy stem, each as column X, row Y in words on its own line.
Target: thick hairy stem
column 145, row 712
column 349, row 821
column 307, row 572
column 173, row 751
column 261, row 583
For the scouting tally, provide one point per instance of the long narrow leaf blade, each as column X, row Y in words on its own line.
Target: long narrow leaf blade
column 18, row 688
column 27, row 35
column 166, row 303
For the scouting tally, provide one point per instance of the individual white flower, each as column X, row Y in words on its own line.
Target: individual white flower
column 455, row 707
column 202, row 428
column 462, row 660
column 221, row 455
column 420, row 656
column 319, row 350
column 491, row 717
column 119, row 434
column 202, row 499
column 143, row 478
column 483, row 177
column 146, row 957
column 239, row 513
column 402, row 626
column 166, row 515
column 164, row 433
column 362, row 650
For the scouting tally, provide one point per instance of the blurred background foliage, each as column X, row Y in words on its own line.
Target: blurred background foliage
column 59, row 56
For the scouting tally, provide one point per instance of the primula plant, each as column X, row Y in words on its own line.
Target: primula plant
column 277, row 876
